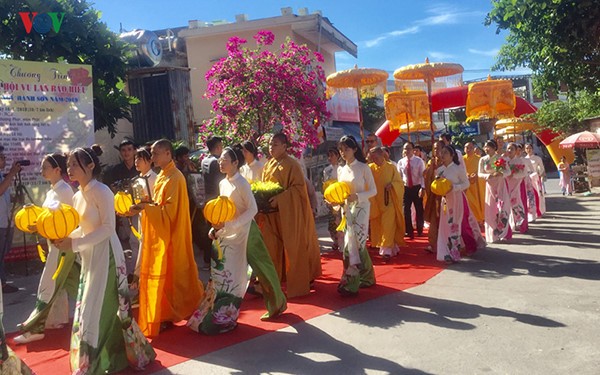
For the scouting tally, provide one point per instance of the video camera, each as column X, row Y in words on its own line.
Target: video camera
column 24, row 163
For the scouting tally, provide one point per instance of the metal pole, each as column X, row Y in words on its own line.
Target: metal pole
column 362, row 132
column 430, row 110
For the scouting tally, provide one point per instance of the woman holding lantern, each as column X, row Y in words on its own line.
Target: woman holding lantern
column 458, row 227
column 105, row 337
column 493, row 167
column 358, row 268
column 235, row 238
column 61, row 274
column 145, row 183
column 431, row 209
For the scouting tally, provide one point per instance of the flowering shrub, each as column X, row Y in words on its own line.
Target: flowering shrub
column 253, row 90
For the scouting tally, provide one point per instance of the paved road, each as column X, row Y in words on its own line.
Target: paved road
column 530, row 306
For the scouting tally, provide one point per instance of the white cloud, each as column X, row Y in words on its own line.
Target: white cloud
column 440, row 19
column 376, row 41
column 492, row 52
column 446, row 15
column 440, row 55
column 442, row 15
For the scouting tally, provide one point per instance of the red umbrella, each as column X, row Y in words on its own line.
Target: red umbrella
column 584, row 140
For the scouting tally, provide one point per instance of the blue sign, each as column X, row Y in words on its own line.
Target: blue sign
column 472, row 129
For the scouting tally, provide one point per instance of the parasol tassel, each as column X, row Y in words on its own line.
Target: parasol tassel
column 135, row 232
column 219, row 250
column 61, row 263
column 342, row 226
column 41, row 252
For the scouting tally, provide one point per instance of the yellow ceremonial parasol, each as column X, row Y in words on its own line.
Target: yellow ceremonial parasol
column 428, row 72
column 414, row 127
column 514, row 125
column 406, row 110
column 492, row 98
column 516, row 121
column 357, row 78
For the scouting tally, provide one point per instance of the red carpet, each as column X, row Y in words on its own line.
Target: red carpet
column 413, row 267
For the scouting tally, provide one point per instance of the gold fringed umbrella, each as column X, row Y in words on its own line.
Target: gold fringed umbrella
column 428, row 72
column 408, row 109
column 414, row 127
column 357, row 78
column 516, row 121
column 514, row 125
column 493, row 98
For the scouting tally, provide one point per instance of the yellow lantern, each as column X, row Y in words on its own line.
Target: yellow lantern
column 441, row 186
column 337, row 192
column 57, row 222
column 328, row 183
column 26, row 217
column 219, row 210
column 123, row 202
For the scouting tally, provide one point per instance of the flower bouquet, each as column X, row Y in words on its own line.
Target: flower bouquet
column 516, row 168
column 500, row 165
column 263, row 191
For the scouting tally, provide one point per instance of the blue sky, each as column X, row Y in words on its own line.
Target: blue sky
column 389, row 34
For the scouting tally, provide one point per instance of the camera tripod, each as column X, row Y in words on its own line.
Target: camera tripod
column 19, row 201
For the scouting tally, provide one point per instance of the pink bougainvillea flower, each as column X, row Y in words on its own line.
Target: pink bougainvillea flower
column 255, row 90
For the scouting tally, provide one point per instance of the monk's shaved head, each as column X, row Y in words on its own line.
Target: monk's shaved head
column 164, row 144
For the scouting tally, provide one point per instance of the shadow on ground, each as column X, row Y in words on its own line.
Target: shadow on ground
column 309, row 350
column 405, row 307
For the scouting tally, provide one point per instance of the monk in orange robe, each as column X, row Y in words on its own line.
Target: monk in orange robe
column 476, row 191
column 290, row 233
column 386, row 216
column 169, row 287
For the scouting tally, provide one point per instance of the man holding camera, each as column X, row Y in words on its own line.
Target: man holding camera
column 118, row 173
column 6, row 228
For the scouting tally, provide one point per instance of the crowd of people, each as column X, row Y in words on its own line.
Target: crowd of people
column 107, row 267
column 497, row 193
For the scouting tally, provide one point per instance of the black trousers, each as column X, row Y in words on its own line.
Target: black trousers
column 200, row 228
column 411, row 197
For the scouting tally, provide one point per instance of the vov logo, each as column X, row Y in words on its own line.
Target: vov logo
column 42, row 22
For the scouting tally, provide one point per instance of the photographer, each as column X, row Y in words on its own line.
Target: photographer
column 6, row 227
column 112, row 176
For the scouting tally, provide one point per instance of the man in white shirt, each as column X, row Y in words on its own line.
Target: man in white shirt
column 412, row 169
column 6, row 225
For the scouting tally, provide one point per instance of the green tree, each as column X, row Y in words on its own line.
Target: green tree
column 566, row 117
column 81, row 39
column 372, row 111
column 558, row 39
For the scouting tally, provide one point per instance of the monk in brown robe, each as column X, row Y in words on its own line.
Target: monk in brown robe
column 289, row 233
column 170, row 290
